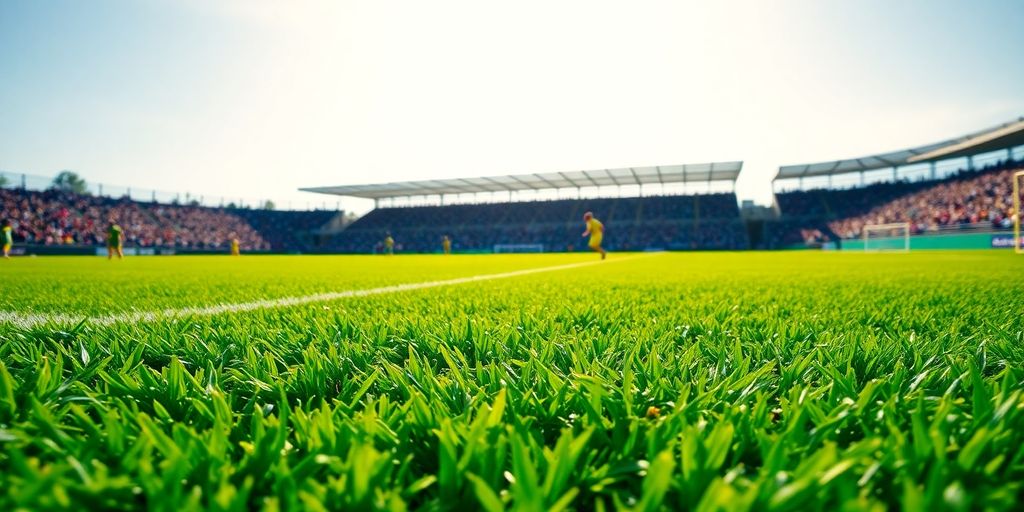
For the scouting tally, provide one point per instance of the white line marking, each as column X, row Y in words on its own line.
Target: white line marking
column 30, row 320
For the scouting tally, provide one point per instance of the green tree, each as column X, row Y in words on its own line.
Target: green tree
column 268, row 205
column 4, row 181
column 69, row 181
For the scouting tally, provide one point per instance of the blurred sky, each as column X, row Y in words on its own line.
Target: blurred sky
column 257, row 98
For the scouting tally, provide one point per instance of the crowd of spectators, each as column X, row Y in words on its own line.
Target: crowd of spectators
column 831, row 204
column 984, row 198
column 55, row 217
column 968, row 198
column 667, row 222
column 788, row 232
column 288, row 230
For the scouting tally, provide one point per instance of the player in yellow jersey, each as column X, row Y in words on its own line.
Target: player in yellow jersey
column 235, row 250
column 595, row 230
column 8, row 238
column 389, row 244
column 446, row 244
column 114, row 244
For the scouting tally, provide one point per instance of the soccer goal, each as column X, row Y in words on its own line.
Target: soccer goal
column 1018, row 247
column 887, row 237
column 509, row 248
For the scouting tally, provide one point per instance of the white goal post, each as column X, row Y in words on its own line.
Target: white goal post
column 887, row 237
column 1017, row 248
column 510, row 248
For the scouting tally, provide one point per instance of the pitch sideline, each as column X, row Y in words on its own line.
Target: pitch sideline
column 31, row 320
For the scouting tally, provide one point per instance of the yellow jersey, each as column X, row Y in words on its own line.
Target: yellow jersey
column 596, row 233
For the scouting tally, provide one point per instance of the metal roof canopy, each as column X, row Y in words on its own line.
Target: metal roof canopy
column 661, row 174
column 1004, row 136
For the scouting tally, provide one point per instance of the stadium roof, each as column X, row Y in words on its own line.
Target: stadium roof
column 1003, row 136
column 661, row 174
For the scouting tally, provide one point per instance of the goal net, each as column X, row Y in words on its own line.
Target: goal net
column 887, row 237
column 1018, row 244
column 507, row 248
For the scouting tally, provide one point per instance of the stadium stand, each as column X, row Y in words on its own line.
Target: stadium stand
column 977, row 197
column 709, row 221
column 674, row 218
column 287, row 230
column 967, row 199
column 54, row 217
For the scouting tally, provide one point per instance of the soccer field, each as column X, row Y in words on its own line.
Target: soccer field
column 740, row 381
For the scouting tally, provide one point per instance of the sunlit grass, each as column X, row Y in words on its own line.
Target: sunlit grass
column 92, row 285
column 711, row 381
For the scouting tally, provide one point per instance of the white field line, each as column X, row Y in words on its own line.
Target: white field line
column 30, row 320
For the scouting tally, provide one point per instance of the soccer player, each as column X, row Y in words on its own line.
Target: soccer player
column 114, row 244
column 595, row 230
column 389, row 244
column 235, row 250
column 446, row 244
column 8, row 238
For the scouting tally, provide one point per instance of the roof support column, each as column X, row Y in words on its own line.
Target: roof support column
column 931, row 170
column 895, row 169
column 1009, row 154
column 862, row 178
column 970, row 163
column 376, row 203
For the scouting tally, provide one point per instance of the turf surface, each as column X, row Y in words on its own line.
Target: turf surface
column 747, row 381
column 92, row 285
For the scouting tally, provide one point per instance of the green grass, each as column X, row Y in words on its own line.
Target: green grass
column 92, row 285
column 781, row 381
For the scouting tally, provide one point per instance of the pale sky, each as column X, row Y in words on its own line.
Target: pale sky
column 255, row 99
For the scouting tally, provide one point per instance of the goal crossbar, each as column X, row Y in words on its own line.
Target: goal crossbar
column 512, row 248
column 905, row 226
